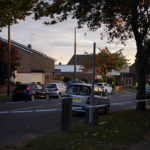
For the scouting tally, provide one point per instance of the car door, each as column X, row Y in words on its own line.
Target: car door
column 98, row 98
column 40, row 92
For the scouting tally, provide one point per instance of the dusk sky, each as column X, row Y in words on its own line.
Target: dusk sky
column 57, row 41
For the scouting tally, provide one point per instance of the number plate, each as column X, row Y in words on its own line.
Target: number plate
column 76, row 99
column 19, row 92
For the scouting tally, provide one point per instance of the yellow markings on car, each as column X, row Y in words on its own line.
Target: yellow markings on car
column 76, row 99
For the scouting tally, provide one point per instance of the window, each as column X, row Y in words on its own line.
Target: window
column 79, row 90
column 39, row 87
column 51, row 86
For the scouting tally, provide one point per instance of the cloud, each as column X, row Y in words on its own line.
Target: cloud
column 57, row 41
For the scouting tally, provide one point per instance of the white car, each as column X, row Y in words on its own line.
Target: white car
column 107, row 88
column 81, row 97
column 55, row 89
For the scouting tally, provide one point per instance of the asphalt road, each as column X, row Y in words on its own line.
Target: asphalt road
column 20, row 127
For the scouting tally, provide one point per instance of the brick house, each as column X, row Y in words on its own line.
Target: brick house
column 122, row 78
column 34, row 66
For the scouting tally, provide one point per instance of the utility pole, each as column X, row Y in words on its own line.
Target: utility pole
column 91, row 117
column 75, row 56
column 9, row 50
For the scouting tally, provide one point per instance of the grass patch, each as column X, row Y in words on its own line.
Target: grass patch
column 4, row 98
column 126, row 91
column 121, row 130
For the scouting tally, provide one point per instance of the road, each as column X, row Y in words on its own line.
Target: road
column 20, row 127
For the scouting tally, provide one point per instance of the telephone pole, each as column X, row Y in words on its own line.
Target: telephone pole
column 75, row 56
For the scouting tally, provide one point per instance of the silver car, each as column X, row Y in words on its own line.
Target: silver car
column 81, row 97
column 55, row 89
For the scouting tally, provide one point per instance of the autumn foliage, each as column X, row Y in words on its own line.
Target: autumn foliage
column 14, row 61
column 106, row 62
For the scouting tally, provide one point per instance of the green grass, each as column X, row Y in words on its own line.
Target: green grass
column 119, row 132
column 126, row 91
column 4, row 98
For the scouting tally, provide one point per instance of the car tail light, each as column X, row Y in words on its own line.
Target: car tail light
column 28, row 88
column 88, row 100
column 102, row 87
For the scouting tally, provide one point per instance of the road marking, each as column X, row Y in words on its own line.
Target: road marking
column 59, row 109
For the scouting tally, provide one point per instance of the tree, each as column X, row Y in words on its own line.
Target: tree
column 106, row 62
column 14, row 59
column 13, row 10
column 121, row 19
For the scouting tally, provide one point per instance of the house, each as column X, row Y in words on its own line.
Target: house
column 68, row 70
column 34, row 65
column 122, row 78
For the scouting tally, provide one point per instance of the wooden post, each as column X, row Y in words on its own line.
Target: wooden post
column 66, row 115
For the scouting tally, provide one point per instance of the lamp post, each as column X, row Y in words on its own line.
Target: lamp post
column 9, row 49
column 91, row 116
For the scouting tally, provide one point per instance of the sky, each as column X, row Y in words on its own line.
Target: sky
column 57, row 41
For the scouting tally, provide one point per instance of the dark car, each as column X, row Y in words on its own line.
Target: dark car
column 29, row 91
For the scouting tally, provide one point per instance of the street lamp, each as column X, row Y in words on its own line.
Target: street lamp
column 9, row 49
column 75, row 56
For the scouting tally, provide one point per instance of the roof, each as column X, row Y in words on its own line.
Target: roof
column 68, row 68
column 80, row 59
column 25, row 48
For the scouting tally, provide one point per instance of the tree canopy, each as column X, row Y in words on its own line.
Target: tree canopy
column 120, row 19
column 13, row 10
column 105, row 62
column 14, row 61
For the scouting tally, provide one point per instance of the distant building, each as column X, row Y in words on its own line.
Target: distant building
column 68, row 70
column 34, row 65
column 122, row 78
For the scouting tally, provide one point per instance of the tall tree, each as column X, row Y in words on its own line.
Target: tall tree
column 13, row 10
column 106, row 62
column 4, row 59
column 121, row 19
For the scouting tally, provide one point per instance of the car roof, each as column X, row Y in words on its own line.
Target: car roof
column 101, row 83
column 52, row 83
column 83, row 84
column 25, row 84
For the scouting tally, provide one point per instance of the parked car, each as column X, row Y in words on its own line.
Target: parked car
column 81, row 96
column 29, row 91
column 107, row 88
column 55, row 89
column 147, row 91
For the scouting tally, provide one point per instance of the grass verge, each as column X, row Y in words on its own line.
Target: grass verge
column 126, row 91
column 4, row 98
column 119, row 131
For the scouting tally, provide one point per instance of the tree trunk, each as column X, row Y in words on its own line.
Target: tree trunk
column 141, row 81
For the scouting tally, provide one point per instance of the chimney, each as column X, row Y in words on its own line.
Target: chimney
column 29, row 46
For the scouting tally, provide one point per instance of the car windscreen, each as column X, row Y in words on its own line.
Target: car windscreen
column 99, row 84
column 21, row 87
column 50, row 86
column 79, row 90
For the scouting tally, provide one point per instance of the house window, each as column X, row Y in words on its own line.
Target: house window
column 128, row 81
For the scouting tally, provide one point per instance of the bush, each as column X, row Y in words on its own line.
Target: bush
column 66, row 79
column 97, row 80
column 85, row 80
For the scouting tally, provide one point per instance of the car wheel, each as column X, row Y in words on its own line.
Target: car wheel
column 106, row 93
column 32, row 98
column 112, row 91
column 59, row 95
column 47, row 96
column 14, row 99
column 106, row 110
